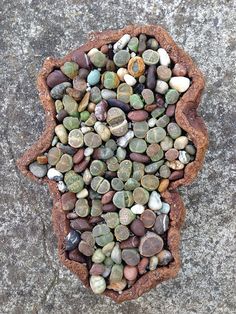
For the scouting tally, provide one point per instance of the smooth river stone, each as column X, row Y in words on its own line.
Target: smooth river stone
column 155, row 135
column 140, row 196
column 121, row 58
column 171, row 97
column 76, row 138
column 137, row 145
column 137, row 227
column 107, row 94
column 130, row 256
column 119, row 104
column 100, row 185
column 150, row 182
column 150, row 57
column 123, row 199
column 180, row 83
column 174, row 130
column 161, row 87
column 70, row 69
column 58, row 91
column 155, row 202
column 72, row 240
column 61, row 133
column 133, row 44
column 125, row 170
column 181, row 142
column 110, row 80
column 148, row 218
column 161, row 224
column 73, row 181
column 126, row 216
column 38, row 170
column 164, row 73
column 153, row 167
column 138, row 115
column 150, row 244
column 140, row 129
column 65, row 163
column 55, row 78
column 136, row 66
column 148, row 96
column 92, row 140
column 54, row 156
column 124, row 91
column 164, row 57
column 136, row 101
column 151, row 77
column 121, row 233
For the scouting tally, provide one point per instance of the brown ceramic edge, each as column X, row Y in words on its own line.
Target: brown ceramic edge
column 186, row 117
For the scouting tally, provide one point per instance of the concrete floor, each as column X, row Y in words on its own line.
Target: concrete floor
column 33, row 280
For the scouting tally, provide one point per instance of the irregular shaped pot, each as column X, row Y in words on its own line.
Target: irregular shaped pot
column 185, row 115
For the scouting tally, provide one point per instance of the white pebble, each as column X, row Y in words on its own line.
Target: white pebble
column 88, row 151
column 123, row 141
column 61, row 186
column 133, row 54
column 161, row 87
column 184, row 157
column 92, row 52
column 180, row 83
column 165, row 208
column 130, row 80
column 55, row 141
column 152, row 122
column 82, row 194
column 121, row 43
column 54, row 174
column 164, row 57
column 137, row 209
column 85, row 129
column 97, row 284
column 121, row 73
column 155, row 202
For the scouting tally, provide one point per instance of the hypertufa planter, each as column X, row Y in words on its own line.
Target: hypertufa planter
column 185, row 116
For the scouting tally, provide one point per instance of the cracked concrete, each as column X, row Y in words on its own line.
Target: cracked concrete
column 32, row 279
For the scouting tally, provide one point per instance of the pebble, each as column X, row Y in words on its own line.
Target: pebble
column 142, row 266
column 140, row 129
column 71, row 123
column 136, row 67
column 80, row 224
column 164, row 183
column 121, row 233
column 110, row 80
column 174, row 130
column 56, row 77
column 170, row 111
column 121, row 58
column 141, row 196
column 150, row 56
column 71, row 240
column 151, row 77
column 130, row 256
column 138, row 115
column 124, row 140
column 97, row 269
column 73, row 181
column 120, row 153
column 86, row 249
column 137, row 227
column 164, row 57
column 190, row 149
column 68, row 201
column 129, row 79
column 148, row 217
column 117, row 184
column 100, row 185
column 166, row 143
column 153, row 167
column 131, row 242
column 152, row 44
column 165, row 208
column 123, row 199
column 65, row 163
column 116, row 273
column 142, row 43
column 95, row 95
column 150, row 244
column 61, row 133
column 103, row 131
column 82, row 208
column 80, row 85
column 181, row 142
column 130, row 272
column 70, row 69
column 150, row 182
column 126, row 216
column 133, row 44
column 93, row 77
column 171, row 154
column 121, row 43
column 139, row 158
column 76, row 138
column 148, row 96
column 125, row 170
column 116, row 254
column 164, row 73
column 55, row 175
column 82, row 194
column 58, row 91
column 111, row 219
column 107, row 93
column 121, row 73
column 154, row 202
column 38, row 170
column 61, row 187
column 137, row 145
column 124, row 91
column 164, row 171
column 98, row 58
column 155, row 135
column 119, row 104
column 180, row 83
column 97, row 284
column 171, row 97
column 153, row 263
column 164, row 257
column 137, row 209
column 106, row 198
column 76, row 256
column 118, row 125
column 175, row 175
column 81, row 58
column 184, row 157
column 161, row 224
column 175, row 165
column 92, row 140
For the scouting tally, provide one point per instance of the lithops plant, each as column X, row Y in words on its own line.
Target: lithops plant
column 122, row 134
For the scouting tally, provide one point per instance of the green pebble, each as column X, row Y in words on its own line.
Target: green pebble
column 98, row 59
column 137, row 145
column 150, row 182
column 117, row 272
column 131, row 184
column 65, row 163
column 100, row 230
column 171, row 97
column 124, row 91
column 84, row 115
column 104, row 239
column 136, row 101
column 126, row 216
column 121, row 58
column 82, row 208
column 70, row 69
column 61, row 133
column 158, row 156
column 167, row 143
column 111, row 219
column 73, row 181
column 98, row 256
column 108, row 261
column 71, row 123
column 95, row 95
column 111, row 144
column 155, row 135
column 133, row 44
column 141, row 196
column 164, row 171
column 150, row 57
column 96, row 209
column 94, row 77
column 117, row 184
column 163, row 121
column 140, row 129
column 58, row 105
column 138, row 170
column 122, row 199
column 157, row 112
column 76, row 138
column 54, row 156
column 120, row 154
column 125, row 170
column 110, row 80
column 152, row 168
column 174, row 130
column 70, row 105
column 148, row 96
column 100, row 185
column 113, row 164
column 97, row 168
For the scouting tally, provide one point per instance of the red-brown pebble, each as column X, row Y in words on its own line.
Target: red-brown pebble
column 76, row 256
column 106, row 198
column 97, row 269
column 138, row 115
column 142, row 265
column 179, row 70
column 104, row 49
column 78, row 156
column 85, row 248
column 171, row 154
column 170, row 111
column 68, row 201
column 95, row 220
column 81, row 166
column 148, row 218
column 130, row 243
column 150, row 244
column 151, row 107
column 130, row 272
column 82, row 59
column 72, row 215
column 56, row 77
column 164, row 183
column 42, row 160
column 139, row 158
column 77, row 95
column 81, row 224
column 110, row 207
column 175, row 175
column 137, row 227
